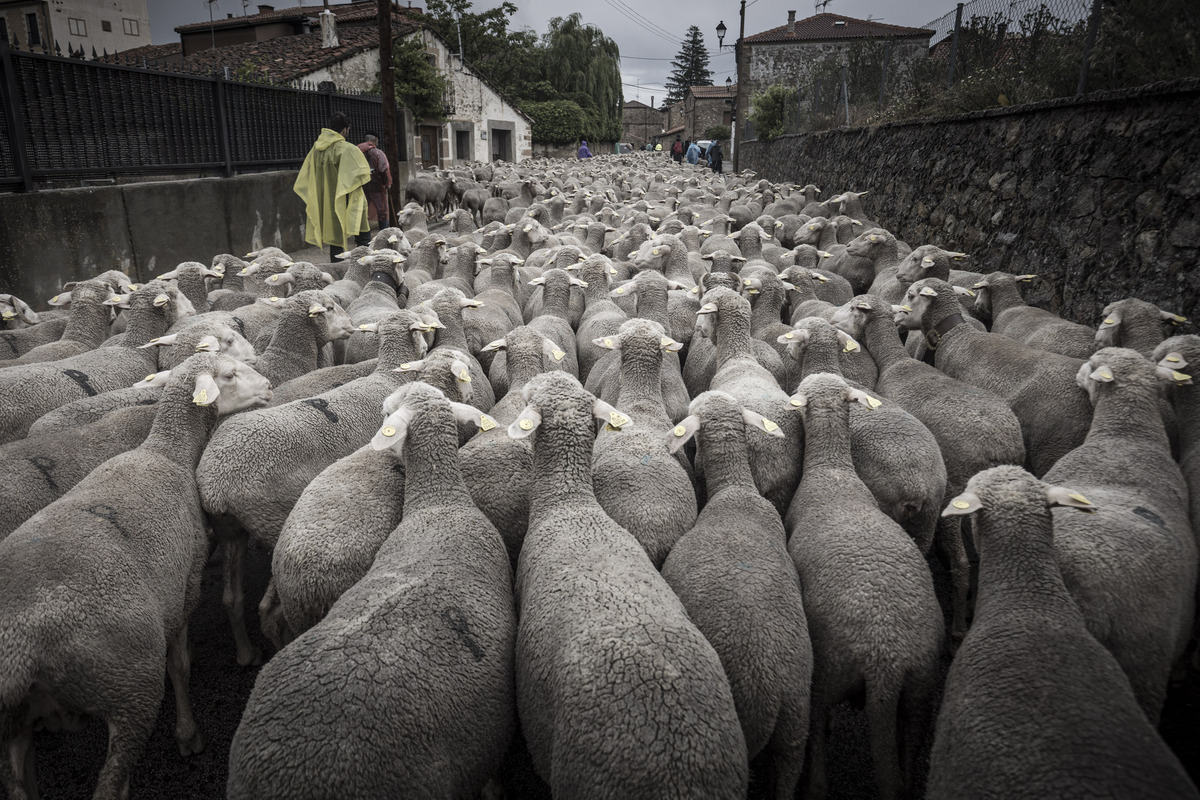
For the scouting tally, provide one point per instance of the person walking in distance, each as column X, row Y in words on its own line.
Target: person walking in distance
column 381, row 180
column 693, row 153
column 584, row 152
column 330, row 183
column 714, row 156
column 677, row 150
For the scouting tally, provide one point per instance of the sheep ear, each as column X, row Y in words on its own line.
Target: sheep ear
column 928, row 291
column 470, row 414
column 765, row 425
column 1060, row 496
column 163, row 341
column 794, row 337
column 677, row 285
column 206, row 392
column 788, row 287
column 208, row 344
column 155, row 379
column 369, row 327
column 1174, row 319
column 615, row 419
column 470, row 302
column 682, row 433
column 965, row 503
column 961, row 291
column 1172, row 377
column 206, row 272
column 119, row 300
column 325, row 276
column 169, row 276
column 608, row 342
column 848, row 343
column 624, row 290
column 462, row 373
column 1026, row 278
column 578, row 282
column 24, row 311
column 392, row 433
column 1111, row 321
column 411, row 366
column 281, row 277
column 1173, row 360
column 159, row 300
column 551, row 350
column 670, row 345
column 316, row 309
column 798, row 400
column 525, row 423
column 491, row 347
column 862, row 398
column 60, row 300
column 538, row 281
column 959, row 256
column 707, row 256
column 1099, row 374
column 277, row 302
column 69, row 285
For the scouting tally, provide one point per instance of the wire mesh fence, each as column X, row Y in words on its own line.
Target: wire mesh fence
column 986, row 54
column 69, row 119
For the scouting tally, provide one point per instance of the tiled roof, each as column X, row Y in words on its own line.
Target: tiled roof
column 345, row 12
column 824, row 27
column 154, row 54
column 713, row 91
column 636, row 104
column 677, row 129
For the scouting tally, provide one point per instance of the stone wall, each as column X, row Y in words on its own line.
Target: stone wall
column 544, row 150
column 48, row 238
column 1100, row 197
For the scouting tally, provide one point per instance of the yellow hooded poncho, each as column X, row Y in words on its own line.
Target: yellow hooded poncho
column 330, row 183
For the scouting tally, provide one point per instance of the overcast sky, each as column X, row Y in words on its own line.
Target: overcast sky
column 647, row 33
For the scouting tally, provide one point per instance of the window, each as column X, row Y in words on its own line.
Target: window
column 106, row 26
column 431, row 58
column 131, row 26
column 31, row 25
column 77, row 27
column 4, row 30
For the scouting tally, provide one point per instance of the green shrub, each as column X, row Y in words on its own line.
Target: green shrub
column 556, row 121
column 716, row 132
column 767, row 116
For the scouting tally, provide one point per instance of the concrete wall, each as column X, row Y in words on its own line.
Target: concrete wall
column 1099, row 197
column 144, row 229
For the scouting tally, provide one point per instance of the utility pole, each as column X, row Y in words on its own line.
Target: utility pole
column 738, row 111
column 387, row 92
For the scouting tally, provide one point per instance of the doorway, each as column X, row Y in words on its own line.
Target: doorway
column 429, row 146
column 462, row 145
column 501, row 145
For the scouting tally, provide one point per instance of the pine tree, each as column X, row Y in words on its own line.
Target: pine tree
column 691, row 66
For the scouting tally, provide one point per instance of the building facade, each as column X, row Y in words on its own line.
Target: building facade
column 68, row 26
column 640, row 123
column 707, row 107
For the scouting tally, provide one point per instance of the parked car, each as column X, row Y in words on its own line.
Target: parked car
column 624, row 147
column 704, row 145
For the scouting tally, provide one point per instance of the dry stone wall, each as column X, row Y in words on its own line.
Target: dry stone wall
column 1100, row 197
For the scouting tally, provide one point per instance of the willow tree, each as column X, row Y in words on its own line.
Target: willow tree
column 579, row 61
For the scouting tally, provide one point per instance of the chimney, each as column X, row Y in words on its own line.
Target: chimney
column 652, row 101
column 791, row 22
column 265, row 9
column 329, row 37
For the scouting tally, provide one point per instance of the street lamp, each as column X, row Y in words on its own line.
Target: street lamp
column 721, row 34
column 728, row 83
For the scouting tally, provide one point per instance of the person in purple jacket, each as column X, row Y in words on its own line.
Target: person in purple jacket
column 583, row 150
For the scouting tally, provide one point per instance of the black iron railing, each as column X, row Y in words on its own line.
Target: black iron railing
column 67, row 119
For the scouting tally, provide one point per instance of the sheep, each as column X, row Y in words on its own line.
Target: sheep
column 16, row 342
column 602, row 317
column 206, row 336
column 448, row 305
column 1034, row 706
column 303, row 276
column 650, row 292
column 190, row 278
column 1131, row 567
column 875, row 624
column 725, row 318
column 975, row 429
column 341, row 519
column 434, row 618
column 308, row 321
column 259, row 462
column 588, row 598
column 97, row 590
column 642, row 487
column 1177, row 354
column 931, row 261
column 15, row 313
column 383, row 294
column 1135, row 324
column 86, row 328
column 1038, row 386
column 767, row 294
column 894, row 454
column 805, row 302
column 254, row 321
column 459, row 273
column 883, row 250
column 998, row 297
column 89, row 409
column 35, row 389
column 553, row 322
column 733, row 574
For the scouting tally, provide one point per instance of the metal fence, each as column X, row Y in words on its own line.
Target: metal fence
column 68, row 119
column 986, row 54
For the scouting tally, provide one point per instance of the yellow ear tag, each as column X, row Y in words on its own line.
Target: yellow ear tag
column 695, row 290
column 620, row 290
column 796, row 402
column 201, row 397
column 363, row 327
column 874, row 238
column 928, row 292
column 155, row 340
column 1105, row 374
column 906, row 307
column 486, row 423
column 150, row 377
column 1179, row 376
column 464, row 376
column 1173, row 359
column 203, row 347
column 388, row 430
column 55, row 298
column 1078, row 498
column 872, row 402
column 961, row 504
column 769, row 426
column 1110, row 321
column 558, row 354
column 273, row 279
column 679, row 430
column 851, row 346
column 525, row 424
column 665, row 342
column 10, row 315
column 608, row 343
column 926, row 260
column 273, row 299
column 405, row 366
column 789, row 335
column 617, row 419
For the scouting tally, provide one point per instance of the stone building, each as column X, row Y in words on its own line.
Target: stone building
column 289, row 46
column 640, row 123
column 68, row 26
column 706, row 107
column 788, row 55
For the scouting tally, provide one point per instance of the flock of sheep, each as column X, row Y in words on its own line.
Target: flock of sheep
column 654, row 465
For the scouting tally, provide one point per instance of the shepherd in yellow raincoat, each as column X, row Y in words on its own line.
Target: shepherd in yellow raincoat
column 331, row 184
